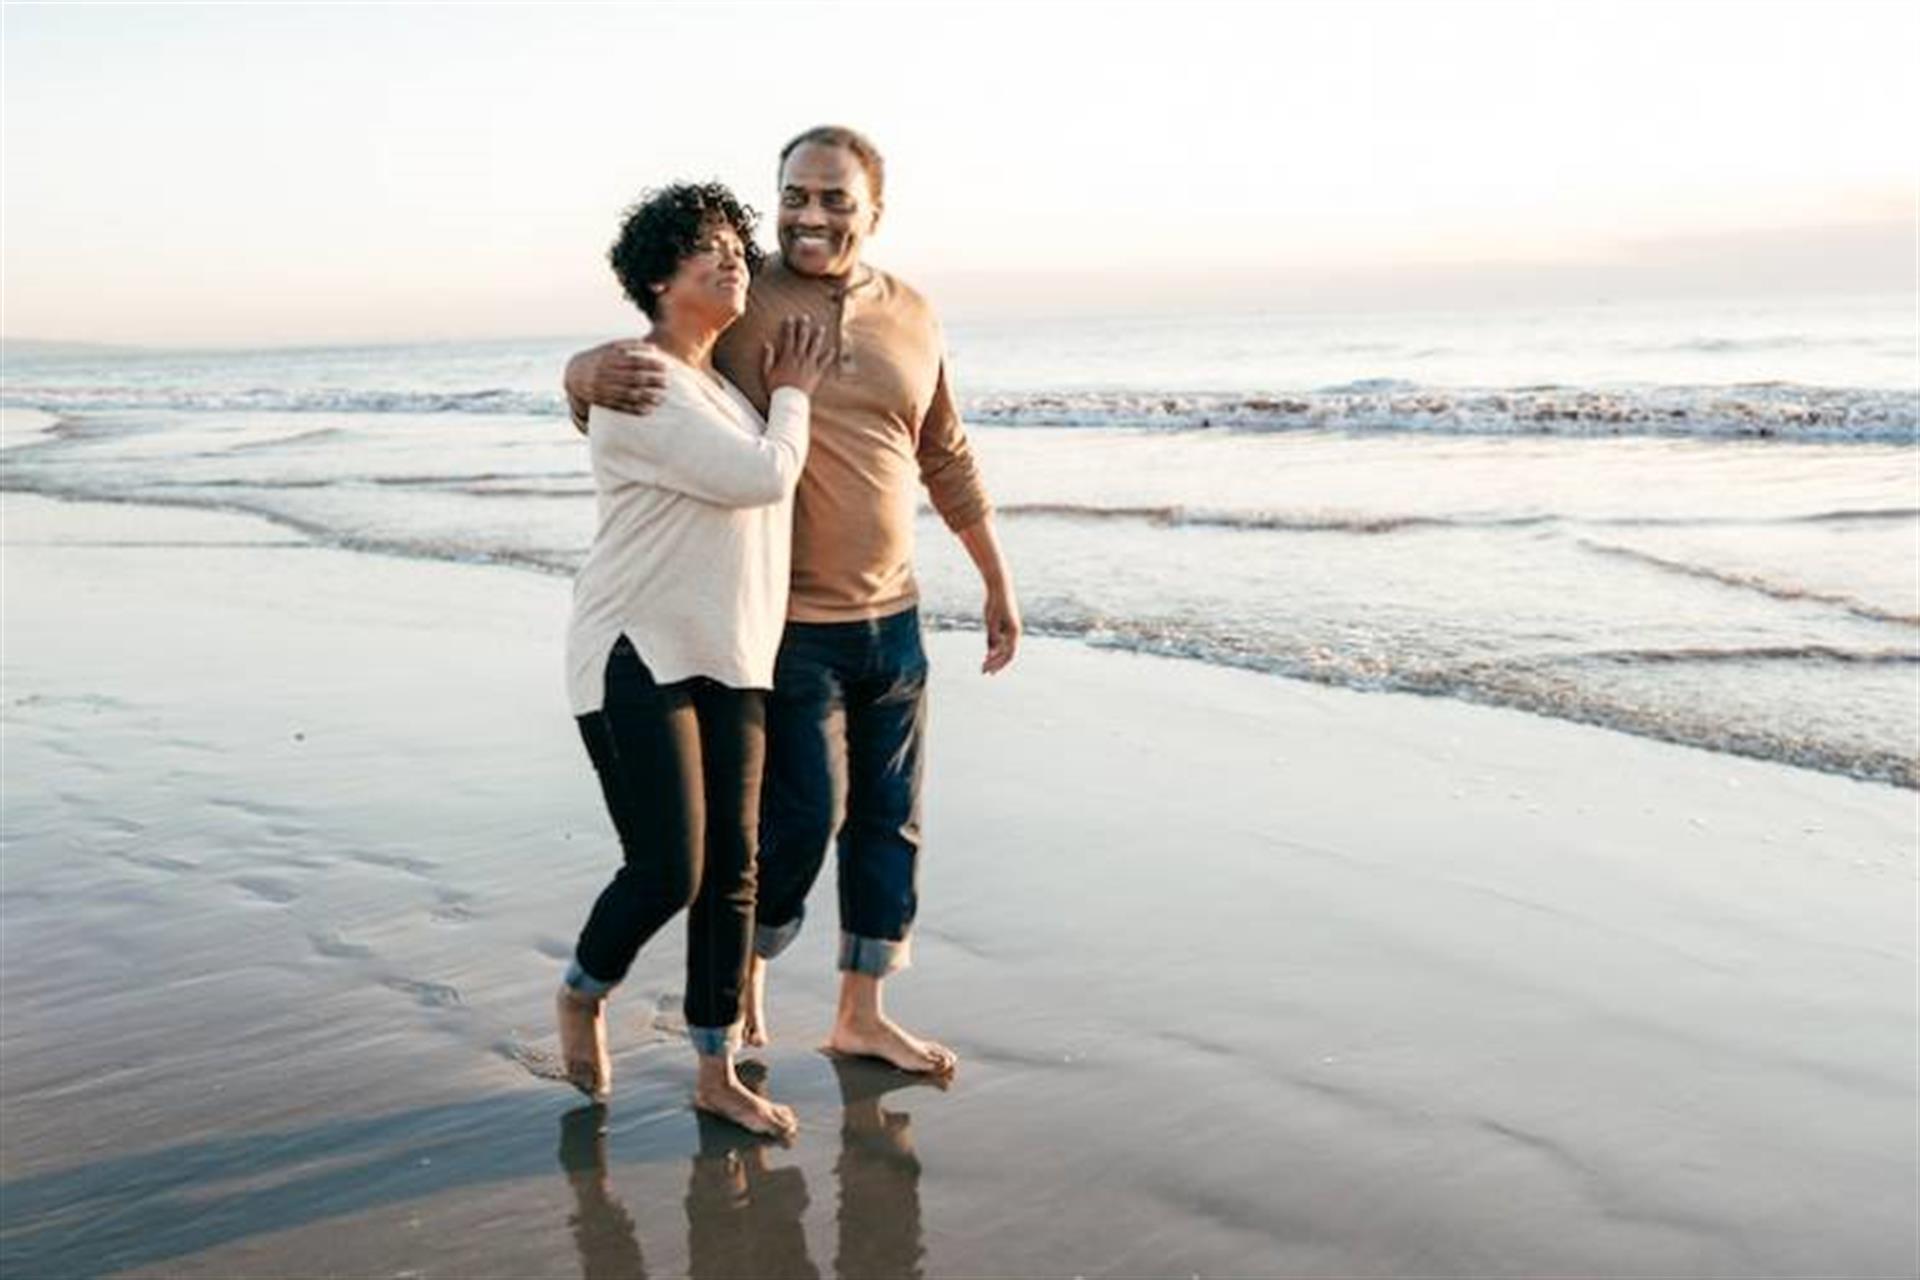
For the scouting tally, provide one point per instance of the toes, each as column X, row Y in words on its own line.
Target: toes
column 588, row 1080
column 752, row 1113
column 773, row 1121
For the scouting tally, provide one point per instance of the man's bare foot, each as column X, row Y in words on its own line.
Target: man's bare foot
column 583, row 1042
column 753, row 1020
column 883, row 1038
column 720, row 1092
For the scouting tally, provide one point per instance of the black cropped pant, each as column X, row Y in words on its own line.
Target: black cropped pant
column 680, row 767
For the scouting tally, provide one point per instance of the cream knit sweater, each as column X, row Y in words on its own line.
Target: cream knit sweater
column 691, row 558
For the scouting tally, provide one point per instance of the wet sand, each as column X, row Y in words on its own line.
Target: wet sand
column 1249, row 977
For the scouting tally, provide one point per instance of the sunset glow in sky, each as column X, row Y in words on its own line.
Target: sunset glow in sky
column 288, row 173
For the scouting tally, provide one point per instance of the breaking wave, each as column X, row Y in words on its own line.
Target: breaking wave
column 1759, row 411
column 1773, row 411
column 102, row 399
column 1309, row 521
column 1540, row 687
column 1753, row 582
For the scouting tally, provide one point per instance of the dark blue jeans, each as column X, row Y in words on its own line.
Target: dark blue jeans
column 845, row 726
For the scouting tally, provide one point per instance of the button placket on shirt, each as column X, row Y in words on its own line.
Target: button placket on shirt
column 844, row 303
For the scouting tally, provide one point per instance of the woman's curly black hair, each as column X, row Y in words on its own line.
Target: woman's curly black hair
column 659, row 231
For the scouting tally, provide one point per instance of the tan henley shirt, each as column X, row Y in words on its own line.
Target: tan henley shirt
column 882, row 418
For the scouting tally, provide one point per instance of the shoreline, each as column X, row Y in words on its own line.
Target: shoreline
column 1287, row 979
column 1886, row 769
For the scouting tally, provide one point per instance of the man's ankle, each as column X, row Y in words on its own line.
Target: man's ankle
column 859, row 1020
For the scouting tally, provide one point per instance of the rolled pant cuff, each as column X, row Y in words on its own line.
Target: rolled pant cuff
column 585, row 983
column 875, row 957
column 712, row 1042
column 769, row 940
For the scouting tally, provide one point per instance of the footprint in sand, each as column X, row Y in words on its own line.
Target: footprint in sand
column 433, row 995
column 335, row 947
column 156, row 861
column 111, row 821
column 262, row 809
column 553, row 948
column 296, row 862
column 75, row 756
column 396, row 862
column 667, row 1020
column 267, row 889
column 538, row 1062
column 453, row 908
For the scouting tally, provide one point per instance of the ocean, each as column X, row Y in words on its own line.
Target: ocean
column 1698, row 522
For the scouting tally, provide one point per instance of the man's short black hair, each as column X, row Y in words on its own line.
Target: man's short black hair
column 659, row 231
column 838, row 135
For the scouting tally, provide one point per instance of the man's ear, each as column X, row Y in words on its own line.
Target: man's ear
column 873, row 223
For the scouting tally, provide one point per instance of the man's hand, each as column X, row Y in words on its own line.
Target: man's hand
column 1002, row 613
column 628, row 375
column 1002, row 616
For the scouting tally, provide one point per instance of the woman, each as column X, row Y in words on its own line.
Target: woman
column 677, row 614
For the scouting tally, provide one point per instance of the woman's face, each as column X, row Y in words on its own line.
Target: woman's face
column 712, row 280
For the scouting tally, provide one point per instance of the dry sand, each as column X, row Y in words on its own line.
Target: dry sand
column 1250, row 977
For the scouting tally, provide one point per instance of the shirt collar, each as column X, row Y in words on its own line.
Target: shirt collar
column 863, row 277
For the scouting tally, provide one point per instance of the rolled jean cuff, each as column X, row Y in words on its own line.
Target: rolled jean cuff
column 585, row 983
column 712, row 1042
column 875, row 957
column 769, row 940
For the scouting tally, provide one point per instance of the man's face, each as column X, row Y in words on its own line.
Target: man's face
column 827, row 210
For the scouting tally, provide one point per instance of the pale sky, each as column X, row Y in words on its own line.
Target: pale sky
column 240, row 174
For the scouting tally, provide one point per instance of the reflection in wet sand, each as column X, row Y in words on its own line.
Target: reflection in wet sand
column 602, row 1228
column 879, row 1176
column 746, row 1218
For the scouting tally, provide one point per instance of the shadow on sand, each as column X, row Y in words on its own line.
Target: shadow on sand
column 744, row 1216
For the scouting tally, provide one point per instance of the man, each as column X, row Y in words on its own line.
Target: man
column 847, row 718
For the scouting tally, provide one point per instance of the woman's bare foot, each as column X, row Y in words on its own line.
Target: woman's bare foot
column 720, row 1092
column 583, row 1042
column 878, row 1036
column 753, row 1021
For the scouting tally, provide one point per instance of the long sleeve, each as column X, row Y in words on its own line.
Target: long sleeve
column 946, row 462
column 689, row 445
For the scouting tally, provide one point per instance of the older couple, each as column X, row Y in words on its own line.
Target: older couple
column 810, row 394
